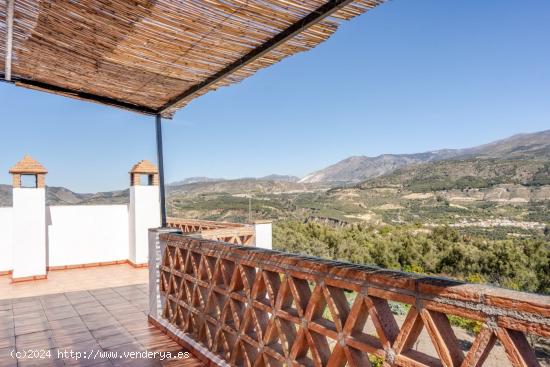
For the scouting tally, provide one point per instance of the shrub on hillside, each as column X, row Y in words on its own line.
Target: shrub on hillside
column 517, row 263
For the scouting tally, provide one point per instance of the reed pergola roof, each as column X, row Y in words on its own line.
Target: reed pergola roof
column 155, row 56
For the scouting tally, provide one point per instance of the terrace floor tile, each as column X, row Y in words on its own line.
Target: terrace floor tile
column 102, row 320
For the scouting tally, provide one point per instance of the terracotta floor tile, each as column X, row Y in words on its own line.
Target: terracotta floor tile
column 83, row 346
column 87, row 362
column 6, row 314
column 108, row 331
column 31, row 320
column 88, row 309
column 5, row 325
column 124, row 348
column 35, row 363
column 104, row 364
column 7, row 332
column 6, row 360
column 139, row 363
column 5, row 352
column 130, row 315
column 62, row 313
column 5, row 302
column 33, row 328
column 114, row 341
column 8, row 342
column 65, row 335
column 68, row 322
column 67, row 341
column 40, row 335
column 36, row 345
column 58, row 308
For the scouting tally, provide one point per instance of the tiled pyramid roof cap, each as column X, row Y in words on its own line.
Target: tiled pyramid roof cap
column 144, row 166
column 28, row 165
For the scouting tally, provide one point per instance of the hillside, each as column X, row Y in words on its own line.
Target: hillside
column 495, row 197
column 244, row 186
column 525, row 146
column 502, row 188
column 361, row 168
column 273, row 177
column 63, row 196
column 465, row 174
column 5, row 195
column 499, row 197
column 241, row 187
column 191, row 180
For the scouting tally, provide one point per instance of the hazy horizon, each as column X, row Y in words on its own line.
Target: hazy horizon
column 407, row 77
column 285, row 174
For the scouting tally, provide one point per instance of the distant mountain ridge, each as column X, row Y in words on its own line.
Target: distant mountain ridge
column 454, row 167
column 191, row 186
column 63, row 196
column 192, row 180
column 244, row 186
column 280, row 178
column 360, row 168
column 465, row 174
column 272, row 177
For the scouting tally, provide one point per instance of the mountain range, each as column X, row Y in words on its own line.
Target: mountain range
column 390, row 168
column 360, row 168
column 202, row 179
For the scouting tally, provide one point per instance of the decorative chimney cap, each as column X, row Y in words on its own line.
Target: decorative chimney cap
column 145, row 167
column 28, row 166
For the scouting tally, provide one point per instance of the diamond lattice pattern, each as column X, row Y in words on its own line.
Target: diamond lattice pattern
column 261, row 311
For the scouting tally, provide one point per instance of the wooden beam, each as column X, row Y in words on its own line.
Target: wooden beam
column 9, row 38
column 313, row 18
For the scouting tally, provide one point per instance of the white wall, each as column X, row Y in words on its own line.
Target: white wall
column 263, row 234
column 6, row 239
column 29, row 232
column 144, row 213
column 87, row 234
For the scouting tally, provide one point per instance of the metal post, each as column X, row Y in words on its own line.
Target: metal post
column 160, row 162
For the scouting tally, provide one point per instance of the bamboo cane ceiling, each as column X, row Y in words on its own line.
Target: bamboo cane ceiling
column 146, row 54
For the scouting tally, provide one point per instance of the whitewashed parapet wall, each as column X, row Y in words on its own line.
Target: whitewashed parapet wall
column 74, row 235
column 87, row 234
column 263, row 234
column 6, row 239
column 144, row 209
column 35, row 237
column 29, row 259
column 29, row 233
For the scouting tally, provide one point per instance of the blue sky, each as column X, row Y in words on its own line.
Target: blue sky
column 409, row 76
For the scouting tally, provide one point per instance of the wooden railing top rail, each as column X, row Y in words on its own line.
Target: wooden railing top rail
column 236, row 233
column 246, row 303
column 205, row 224
column 220, row 232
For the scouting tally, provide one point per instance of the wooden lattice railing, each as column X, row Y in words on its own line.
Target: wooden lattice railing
column 255, row 307
column 235, row 233
column 237, row 236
